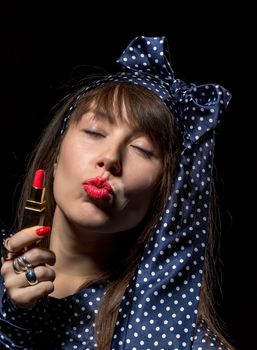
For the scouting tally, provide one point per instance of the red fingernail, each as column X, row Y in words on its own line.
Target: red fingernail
column 42, row 231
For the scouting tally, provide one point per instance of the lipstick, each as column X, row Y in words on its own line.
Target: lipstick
column 98, row 188
column 35, row 205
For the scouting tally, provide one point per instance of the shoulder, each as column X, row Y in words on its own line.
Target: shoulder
column 205, row 339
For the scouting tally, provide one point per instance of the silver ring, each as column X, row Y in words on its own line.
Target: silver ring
column 20, row 264
column 7, row 254
column 23, row 262
column 16, row 267
column 31, row 277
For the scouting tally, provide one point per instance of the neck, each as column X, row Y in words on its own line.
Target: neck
column 83, row 256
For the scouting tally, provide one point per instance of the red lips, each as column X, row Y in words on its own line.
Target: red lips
column 98, row 188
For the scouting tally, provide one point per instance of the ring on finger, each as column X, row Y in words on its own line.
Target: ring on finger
column 20, row 264
column 31, row 277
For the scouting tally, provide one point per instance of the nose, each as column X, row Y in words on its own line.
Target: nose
column 110, row 162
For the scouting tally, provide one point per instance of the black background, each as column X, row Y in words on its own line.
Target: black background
column 43, row 47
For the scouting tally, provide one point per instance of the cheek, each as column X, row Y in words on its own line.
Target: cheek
column 137, row 191
column 144, row 177
column 148, row 181
column 69, row 169
column 74, row 157
column 70, row 155
column 139, row 185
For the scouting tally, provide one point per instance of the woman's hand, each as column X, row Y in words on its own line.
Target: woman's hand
column 25, row 244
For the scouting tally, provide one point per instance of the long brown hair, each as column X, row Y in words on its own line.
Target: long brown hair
column 148, row 112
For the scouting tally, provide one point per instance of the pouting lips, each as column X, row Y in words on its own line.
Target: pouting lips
column 98, row 188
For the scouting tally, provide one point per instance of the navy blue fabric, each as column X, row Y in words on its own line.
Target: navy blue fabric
column 67, row 324
column 160, row 306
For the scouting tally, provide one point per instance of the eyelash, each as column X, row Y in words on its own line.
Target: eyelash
column 93, row 133
column 145, row 153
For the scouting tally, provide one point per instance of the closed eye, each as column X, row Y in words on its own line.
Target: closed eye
column 93, row 133
column 144, row 152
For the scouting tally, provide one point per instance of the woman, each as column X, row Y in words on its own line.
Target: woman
column 128, row 160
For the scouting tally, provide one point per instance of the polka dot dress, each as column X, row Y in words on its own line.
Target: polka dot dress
column 68, row 323
column 159, row 308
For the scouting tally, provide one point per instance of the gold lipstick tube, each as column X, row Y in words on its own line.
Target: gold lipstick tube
column 35, row 206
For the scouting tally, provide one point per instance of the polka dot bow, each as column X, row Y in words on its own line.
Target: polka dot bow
column 150, row 56
column 196, row 107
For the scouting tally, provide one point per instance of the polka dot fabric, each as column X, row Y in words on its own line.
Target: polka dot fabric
column 159, row 307
column 66, row 323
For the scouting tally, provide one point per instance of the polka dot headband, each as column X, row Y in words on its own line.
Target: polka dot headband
column 159, row 308
column 146, row 63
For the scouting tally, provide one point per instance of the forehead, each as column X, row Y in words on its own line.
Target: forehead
column 117, row 121
column 113, row 110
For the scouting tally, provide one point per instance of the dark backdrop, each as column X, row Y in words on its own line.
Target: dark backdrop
column 43, row 49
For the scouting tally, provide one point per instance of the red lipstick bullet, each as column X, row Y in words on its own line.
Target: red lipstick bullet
column 39, row 179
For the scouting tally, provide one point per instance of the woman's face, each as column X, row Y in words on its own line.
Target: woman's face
column 115, row 151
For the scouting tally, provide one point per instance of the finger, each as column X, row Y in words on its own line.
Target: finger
column 6, row 268
column 34, row 257
column 43, row 273
column 26, row 237
column 16, row 281
column 27, row 297
column 37, row 256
